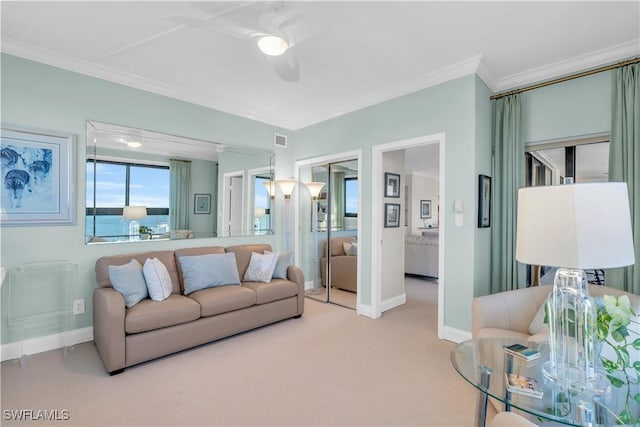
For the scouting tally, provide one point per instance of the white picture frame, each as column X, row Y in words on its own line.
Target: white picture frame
column 38, row 177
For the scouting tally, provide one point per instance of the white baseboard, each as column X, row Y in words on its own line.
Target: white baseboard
column 367, row 311
column 48, row 342
column 455, row 335
column 393, row 302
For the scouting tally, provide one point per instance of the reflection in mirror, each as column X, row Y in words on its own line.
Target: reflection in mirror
column 171, row 188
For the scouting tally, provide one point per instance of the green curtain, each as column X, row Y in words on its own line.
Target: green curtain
column 624, row 162
column 179, row 194
column 508, row 177
column 337, row 200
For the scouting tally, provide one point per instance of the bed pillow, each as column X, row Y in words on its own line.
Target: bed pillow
column 261, row 267
column 284, row 261
column 129, row 281
column 208, row 271
column 158, row 280
column 350, row 248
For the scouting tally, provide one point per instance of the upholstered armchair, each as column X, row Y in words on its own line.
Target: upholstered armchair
column 344, row 267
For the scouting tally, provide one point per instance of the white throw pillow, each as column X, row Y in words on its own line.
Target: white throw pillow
column 537, row 325
column 158, row 279
column 261, row 267
column 350, row 248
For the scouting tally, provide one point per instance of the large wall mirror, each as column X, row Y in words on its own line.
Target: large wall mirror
column 145, row 185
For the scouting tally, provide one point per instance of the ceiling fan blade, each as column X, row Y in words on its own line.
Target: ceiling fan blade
column 286, row 66
column 217, row 26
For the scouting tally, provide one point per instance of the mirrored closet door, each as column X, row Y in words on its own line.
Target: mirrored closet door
column 332, row 232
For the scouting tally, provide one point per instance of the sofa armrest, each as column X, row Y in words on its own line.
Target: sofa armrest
column 108, row 327
column 510, row 310
column 295, row 274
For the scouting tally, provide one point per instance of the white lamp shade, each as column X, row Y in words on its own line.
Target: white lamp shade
column 314, row 188
column 271, row 188
column 260, row 212
column 575, row 226
column 287, row 185
column 134, row 212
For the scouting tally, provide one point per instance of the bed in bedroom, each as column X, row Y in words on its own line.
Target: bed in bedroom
column 421, row 254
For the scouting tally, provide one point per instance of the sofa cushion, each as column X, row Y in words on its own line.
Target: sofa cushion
column 158, row 280
column 201, row 250
column 166, row 257
column 350, row 249
column 223, row 299
column 284, row 261
column 149, row 315
column 207, row 271
column 243, row 254
column 261, row 267
column 275, row 290
column 128, row 279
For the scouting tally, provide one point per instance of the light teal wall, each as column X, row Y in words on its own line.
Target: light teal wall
column 39, row 96
column 448, row 108
column 573, row 108
column 483, row 128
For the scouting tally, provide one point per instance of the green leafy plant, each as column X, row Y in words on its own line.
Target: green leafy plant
column 614, row 317
column 143, row 229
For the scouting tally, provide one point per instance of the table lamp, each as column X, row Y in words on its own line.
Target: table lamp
column 133, row 214
column 574, row 227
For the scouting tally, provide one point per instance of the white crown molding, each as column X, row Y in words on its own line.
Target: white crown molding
column 569, row 66
column 445, row 74
column 54, row 59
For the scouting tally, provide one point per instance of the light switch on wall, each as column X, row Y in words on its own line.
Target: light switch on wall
column 457, row 206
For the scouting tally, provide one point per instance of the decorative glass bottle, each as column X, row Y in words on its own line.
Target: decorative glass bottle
column 572, row 315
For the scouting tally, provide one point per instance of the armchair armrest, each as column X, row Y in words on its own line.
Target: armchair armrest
column 108, row 327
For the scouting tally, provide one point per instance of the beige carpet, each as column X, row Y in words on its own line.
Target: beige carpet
column 329, row 368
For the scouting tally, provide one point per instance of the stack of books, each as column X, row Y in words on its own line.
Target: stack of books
column 522, row 352
column 524, row 385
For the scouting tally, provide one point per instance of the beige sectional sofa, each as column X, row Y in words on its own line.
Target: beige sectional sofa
column 127, row 336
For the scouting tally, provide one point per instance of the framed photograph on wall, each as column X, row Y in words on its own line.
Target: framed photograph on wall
column 202, row 203
column 38, row 172
column 391, row 185
column 391, row 215
column 425, row 209
column 484, row 201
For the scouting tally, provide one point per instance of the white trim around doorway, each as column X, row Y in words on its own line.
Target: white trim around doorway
column 377, row 173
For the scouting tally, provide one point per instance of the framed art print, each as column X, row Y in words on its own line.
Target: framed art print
column 425, row 209
column 484, row 201
column 38, row 177
column 202, row 203
column 391, row 215
column 391, row 185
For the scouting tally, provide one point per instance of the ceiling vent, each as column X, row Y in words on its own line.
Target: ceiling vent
column 280, row 140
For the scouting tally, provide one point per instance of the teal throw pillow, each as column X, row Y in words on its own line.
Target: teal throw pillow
column 128, row 279
column 208, row 271
column 284, row 261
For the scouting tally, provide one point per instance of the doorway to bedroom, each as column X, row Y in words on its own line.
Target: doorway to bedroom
column 416, row 248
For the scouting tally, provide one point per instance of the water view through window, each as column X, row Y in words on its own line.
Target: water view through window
column 126, row 184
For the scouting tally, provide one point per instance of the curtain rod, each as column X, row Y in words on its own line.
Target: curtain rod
column 567, row 78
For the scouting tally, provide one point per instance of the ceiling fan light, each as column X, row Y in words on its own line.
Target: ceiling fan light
column 273, row 45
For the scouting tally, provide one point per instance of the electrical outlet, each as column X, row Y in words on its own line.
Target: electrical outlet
column 78, row 306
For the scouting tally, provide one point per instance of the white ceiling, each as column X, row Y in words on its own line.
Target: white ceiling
column 350, row 54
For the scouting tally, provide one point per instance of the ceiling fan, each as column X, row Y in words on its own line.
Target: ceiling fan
column 269, row 29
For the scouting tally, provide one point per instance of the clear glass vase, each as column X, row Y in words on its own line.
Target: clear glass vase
column 572, row 316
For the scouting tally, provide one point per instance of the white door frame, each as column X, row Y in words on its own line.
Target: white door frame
column 226, row 182
column 332, row 158
column 377, row 174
